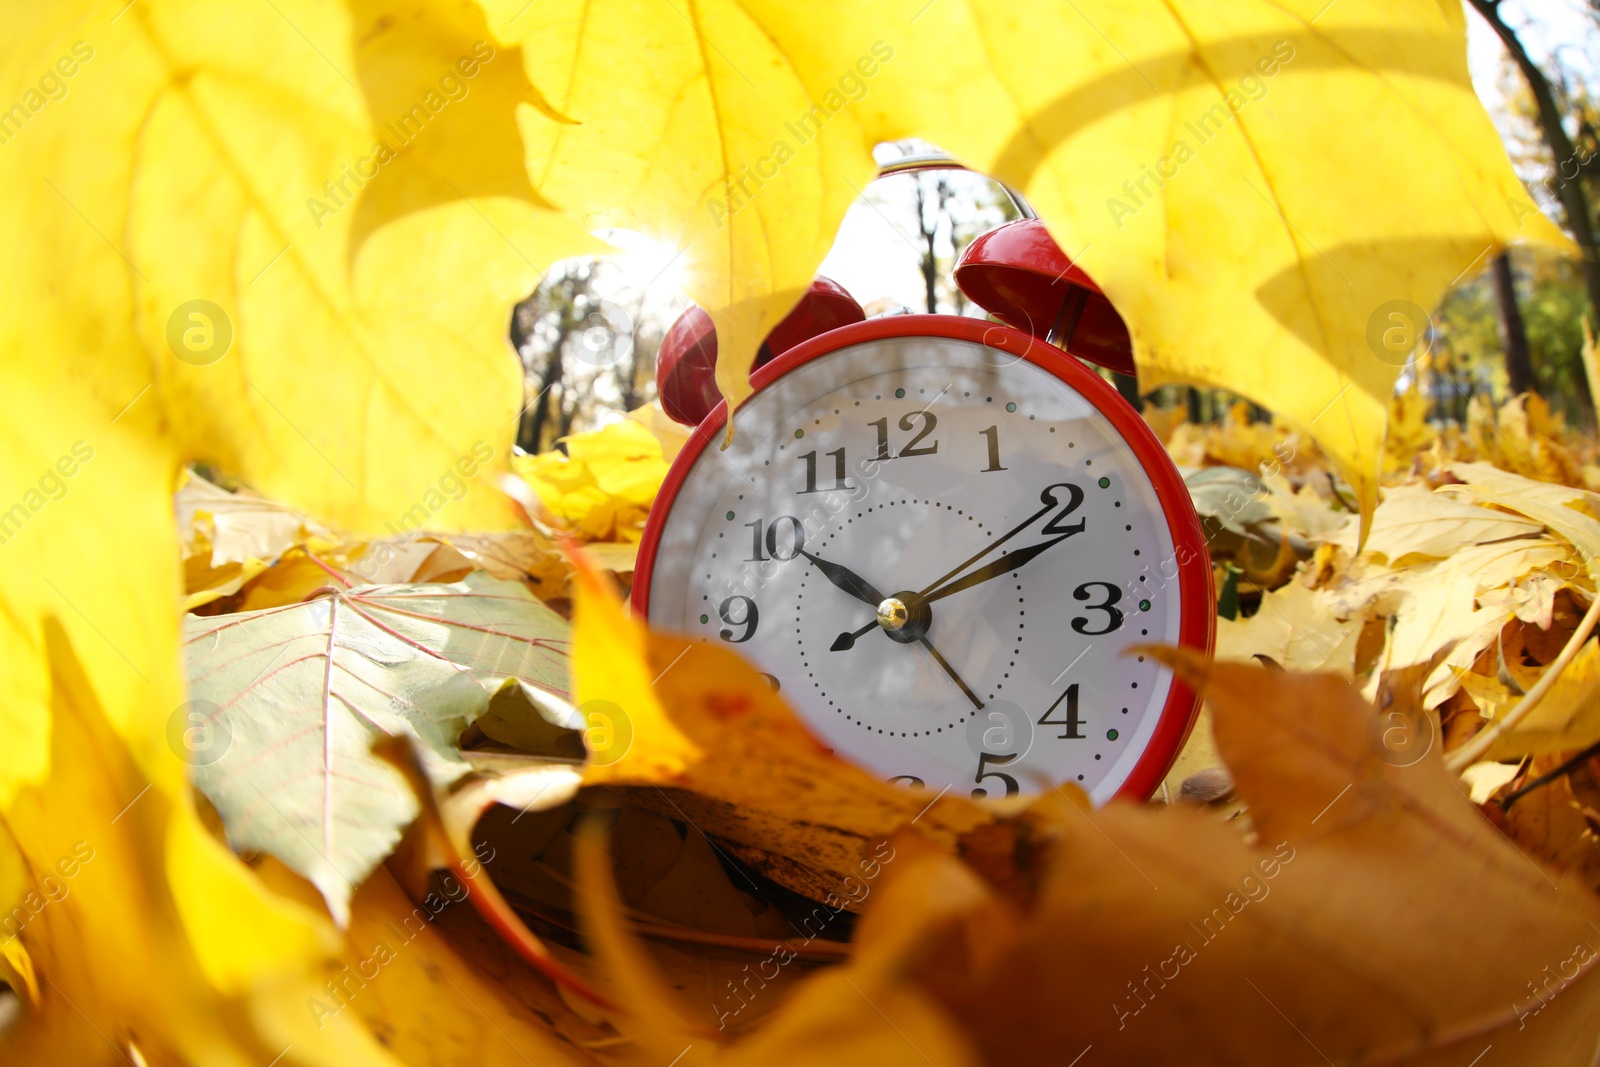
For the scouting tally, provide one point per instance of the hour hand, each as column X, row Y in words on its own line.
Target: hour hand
column 846, row 579
column 1004, row 565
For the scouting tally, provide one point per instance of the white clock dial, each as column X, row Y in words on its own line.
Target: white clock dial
column 939, row 552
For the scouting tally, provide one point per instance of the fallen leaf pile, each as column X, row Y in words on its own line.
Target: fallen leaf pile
column 280, row 243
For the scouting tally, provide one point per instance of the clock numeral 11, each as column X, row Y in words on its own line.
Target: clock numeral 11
column 839, row 482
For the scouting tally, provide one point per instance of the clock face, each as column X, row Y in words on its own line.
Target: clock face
column 939, row 552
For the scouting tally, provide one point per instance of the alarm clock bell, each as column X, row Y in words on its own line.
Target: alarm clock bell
column 1016, row 272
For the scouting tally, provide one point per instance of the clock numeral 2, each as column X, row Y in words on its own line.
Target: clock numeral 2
column 748, row 620
column 839, row 482
column 1072, row 722
column 1058, row 524
column 796, row 543
column 907, row 423
column 985, row 758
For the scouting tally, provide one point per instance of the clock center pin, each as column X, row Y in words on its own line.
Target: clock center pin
column 893, row 614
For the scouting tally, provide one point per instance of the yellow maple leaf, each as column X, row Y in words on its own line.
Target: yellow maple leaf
column 603, row 487
column 1210, row 165
column 165, row 153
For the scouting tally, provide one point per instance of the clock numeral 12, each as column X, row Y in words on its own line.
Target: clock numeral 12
column 907, row 423
column 839, row 482
column 1072, row 722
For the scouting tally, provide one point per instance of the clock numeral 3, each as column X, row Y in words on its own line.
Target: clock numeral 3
column 907, row 423
column 839, row 482
column 774, row 547
column 985, row 758
column 1113, row 615
column 748, row 618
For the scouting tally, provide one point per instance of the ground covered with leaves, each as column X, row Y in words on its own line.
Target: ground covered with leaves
column 1376, row 847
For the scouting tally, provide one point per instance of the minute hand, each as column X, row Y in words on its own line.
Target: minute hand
column 1004, row 565
column 1048, row 499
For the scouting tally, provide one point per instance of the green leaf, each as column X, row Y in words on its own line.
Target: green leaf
column 286, row 703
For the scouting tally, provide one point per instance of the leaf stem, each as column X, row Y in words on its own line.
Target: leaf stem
column 1469, row 753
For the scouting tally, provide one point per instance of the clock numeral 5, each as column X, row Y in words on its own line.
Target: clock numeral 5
column 748, row 618
column 907, row 423
column 797, row 540
column 985, row 758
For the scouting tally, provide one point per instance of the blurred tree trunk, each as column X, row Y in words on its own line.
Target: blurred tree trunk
column 1574, row 202
column 1128, row 386
column 628, row 369
column 929, row 263
column 535, row 419
column 1513, row 334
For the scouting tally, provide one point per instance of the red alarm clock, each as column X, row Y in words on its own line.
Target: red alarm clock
column 939, row 536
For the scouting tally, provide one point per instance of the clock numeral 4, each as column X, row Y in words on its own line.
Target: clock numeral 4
column 839, row 481
column 748, row 618
column 986, row 758
column 776, row 548
column 1072, row 722
column 1108, row 605
column 908, row 422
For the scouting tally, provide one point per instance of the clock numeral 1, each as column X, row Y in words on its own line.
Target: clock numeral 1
column 993, row 434
column 1072, row 722
column 839, row 482
column 796, row 542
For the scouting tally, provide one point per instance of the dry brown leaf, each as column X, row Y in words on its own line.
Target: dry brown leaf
column 1322, row 941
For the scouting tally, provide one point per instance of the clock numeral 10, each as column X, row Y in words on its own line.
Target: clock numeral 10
column 773, row 545
column 839, row 482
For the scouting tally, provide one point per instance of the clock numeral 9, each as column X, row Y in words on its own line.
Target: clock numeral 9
column 907, row 423
column 747, row 618
column 796, row 542
column 1113, row 615
column 986, row 758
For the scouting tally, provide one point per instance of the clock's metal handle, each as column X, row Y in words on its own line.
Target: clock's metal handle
column 939, row 161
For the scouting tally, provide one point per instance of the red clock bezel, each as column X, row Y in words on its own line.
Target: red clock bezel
column 1197, row 623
